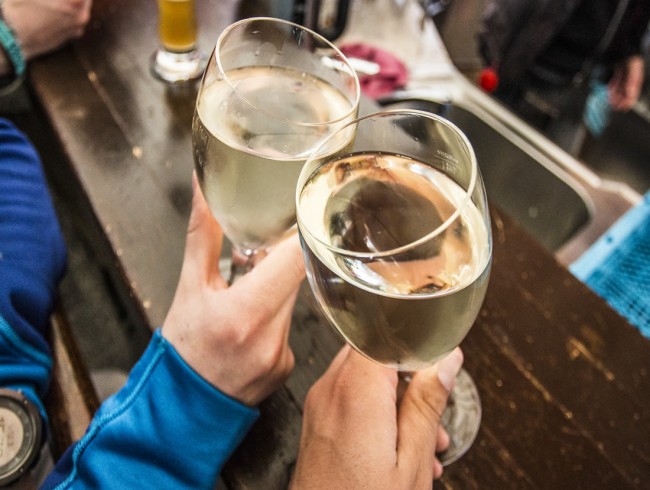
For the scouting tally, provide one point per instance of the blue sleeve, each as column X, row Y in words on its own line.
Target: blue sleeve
column 32, row 262
column 167, row 428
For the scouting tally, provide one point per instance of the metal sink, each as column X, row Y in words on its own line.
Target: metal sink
column 556, row 198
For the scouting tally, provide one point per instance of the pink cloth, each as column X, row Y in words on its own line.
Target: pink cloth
column 392, row 74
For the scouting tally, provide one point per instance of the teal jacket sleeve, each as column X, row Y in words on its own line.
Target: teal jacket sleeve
column 167, row 428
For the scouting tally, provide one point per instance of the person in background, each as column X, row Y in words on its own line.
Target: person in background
column 28, row 29
column 41, row 26
column 192, row 396
column 545, row 55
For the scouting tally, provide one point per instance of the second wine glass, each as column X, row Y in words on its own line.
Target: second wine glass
column 397, row 243
column 272, row 92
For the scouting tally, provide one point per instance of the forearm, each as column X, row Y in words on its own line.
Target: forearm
column 167, row 423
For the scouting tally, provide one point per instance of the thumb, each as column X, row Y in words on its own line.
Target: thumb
column 422, row 407
column 204, row 238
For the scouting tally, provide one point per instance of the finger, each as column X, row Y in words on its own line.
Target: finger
column 618, row 97
column 630, row 96
column 285, row 364
column 621, row 97
column 362, row 393
column 422, row 406
column 339, row 359
column 276, row 277
column 323, row 387
column 442, row 440
column 437, row 468
column 279, row 329
column 361, row 371
column 203, row 241
column 357, row 362
column 373, row 390
column 623, row 102
column 442, row 444
column 286, row 312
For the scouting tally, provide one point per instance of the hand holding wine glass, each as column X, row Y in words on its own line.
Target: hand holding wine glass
column 235, row 337
column 356, row 434
column 397, row 242
column 272, row 92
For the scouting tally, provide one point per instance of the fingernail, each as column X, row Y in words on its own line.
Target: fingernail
column 448, row 368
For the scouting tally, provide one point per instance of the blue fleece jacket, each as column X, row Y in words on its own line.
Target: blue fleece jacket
column 168, row 427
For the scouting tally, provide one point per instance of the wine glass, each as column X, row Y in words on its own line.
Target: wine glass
column 272, row 92
column 396, row 237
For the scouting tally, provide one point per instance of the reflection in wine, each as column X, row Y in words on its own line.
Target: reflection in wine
column 413, row 308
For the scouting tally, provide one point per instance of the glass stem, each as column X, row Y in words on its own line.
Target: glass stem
column 243, row 261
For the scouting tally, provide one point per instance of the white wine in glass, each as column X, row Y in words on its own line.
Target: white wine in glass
column 273, row 92
column 397, row 241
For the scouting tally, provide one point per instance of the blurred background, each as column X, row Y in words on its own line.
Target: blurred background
column 620, row 153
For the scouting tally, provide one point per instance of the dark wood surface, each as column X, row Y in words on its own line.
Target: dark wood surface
column 563, row 379
column 72, row 400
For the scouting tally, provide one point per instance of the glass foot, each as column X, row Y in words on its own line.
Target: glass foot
column 173, row 67
column 461, row 418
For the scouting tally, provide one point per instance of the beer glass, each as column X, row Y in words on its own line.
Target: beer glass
column 178, row 58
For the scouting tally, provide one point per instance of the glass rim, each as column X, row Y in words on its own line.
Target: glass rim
column 357, row 86
column 303, row 178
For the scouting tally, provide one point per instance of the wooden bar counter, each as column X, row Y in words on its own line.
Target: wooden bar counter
column 563, row 378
